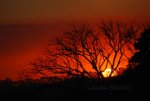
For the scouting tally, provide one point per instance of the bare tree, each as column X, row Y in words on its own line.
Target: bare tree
column 84, row 50
column 25, row 75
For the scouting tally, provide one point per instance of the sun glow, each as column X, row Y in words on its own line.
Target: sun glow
column 107, row 72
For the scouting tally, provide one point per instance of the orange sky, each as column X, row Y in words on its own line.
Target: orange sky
column 25, row 25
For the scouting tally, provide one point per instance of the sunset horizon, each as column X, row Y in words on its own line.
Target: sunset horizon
column 26, row 26
column 74, row 49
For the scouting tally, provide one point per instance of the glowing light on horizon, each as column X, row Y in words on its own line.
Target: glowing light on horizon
column 106, row 73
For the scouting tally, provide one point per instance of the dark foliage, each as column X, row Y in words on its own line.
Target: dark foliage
column 70, row 89
column 138, row 72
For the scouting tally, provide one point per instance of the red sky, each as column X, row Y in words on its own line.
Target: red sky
column 26, row 25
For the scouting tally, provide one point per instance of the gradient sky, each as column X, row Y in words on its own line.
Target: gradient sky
column 24, row 10
column 25, row 25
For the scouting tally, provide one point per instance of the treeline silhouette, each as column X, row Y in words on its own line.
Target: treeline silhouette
column 70, row 89
column 77, row 88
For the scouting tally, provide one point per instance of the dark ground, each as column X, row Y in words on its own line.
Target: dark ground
column 73, row 89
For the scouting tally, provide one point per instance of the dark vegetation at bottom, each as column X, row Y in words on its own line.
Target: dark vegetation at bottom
column 74, row 89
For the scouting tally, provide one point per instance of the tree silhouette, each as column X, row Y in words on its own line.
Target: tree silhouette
column 139, row 63
column 84, row 49
column 138, row 72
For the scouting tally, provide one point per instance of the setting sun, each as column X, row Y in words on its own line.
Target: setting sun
column 107, row 72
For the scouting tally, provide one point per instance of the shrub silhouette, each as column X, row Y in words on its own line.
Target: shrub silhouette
column 138, row 72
